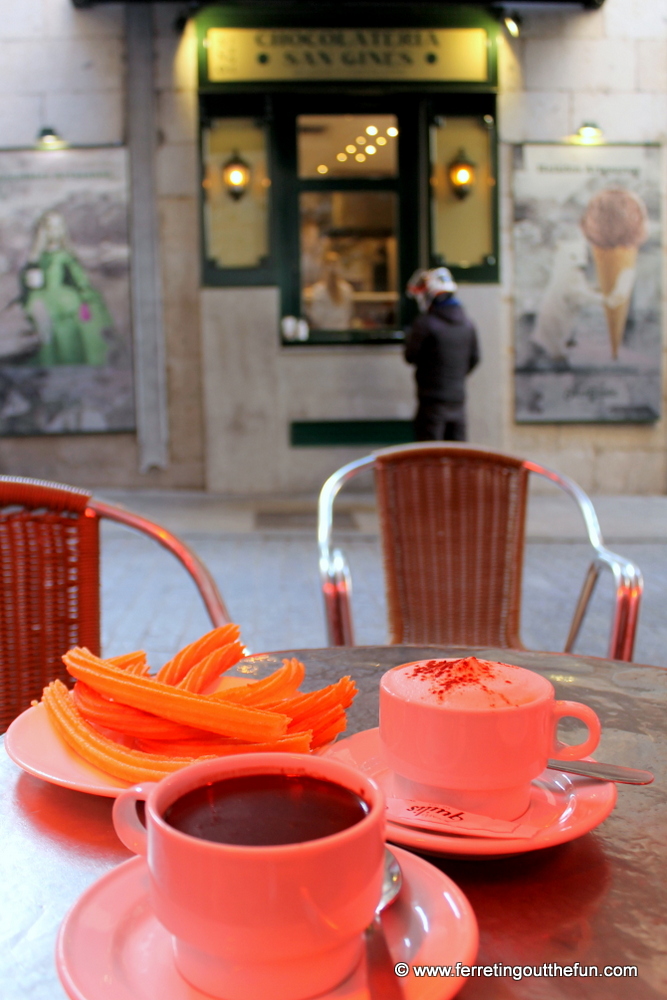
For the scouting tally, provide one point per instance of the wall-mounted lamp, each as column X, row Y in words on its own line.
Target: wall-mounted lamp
column 462, row 175
column 48, row 138
column 513, row 24
column 236, row 176
column 588, row 134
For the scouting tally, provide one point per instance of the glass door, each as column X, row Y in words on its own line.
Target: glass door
column 347, row 199
column 348, row 232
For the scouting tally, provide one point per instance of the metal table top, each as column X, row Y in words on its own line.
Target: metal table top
column 598, row 900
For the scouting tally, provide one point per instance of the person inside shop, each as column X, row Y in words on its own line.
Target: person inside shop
column 442, row 345
column 332, row 302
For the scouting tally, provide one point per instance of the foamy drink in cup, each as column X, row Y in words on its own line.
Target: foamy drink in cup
column 474, row 733
column 265, row 869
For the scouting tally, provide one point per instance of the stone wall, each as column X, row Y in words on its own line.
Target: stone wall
column 65, row 68
column 232, row 390
column 608, row 66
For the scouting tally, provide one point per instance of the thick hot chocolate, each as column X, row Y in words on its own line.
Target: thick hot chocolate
column 266, row 809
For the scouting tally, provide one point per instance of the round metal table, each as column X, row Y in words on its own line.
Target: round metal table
column 599, row 900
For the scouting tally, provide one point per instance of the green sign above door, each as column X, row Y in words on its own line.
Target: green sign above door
column 239, row 55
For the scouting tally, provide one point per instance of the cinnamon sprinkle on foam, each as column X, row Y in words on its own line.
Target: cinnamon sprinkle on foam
column 447, row 676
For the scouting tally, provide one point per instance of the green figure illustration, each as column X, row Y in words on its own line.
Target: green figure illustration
column 67, row 312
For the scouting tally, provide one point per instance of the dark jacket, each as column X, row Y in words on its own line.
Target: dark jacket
column 442, row 343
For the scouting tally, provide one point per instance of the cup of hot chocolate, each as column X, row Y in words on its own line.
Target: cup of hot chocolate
column 473, row 733
column 265, row 868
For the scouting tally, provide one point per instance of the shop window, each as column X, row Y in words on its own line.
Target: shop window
column 462, row 192
column 236, row 187
column 349, row 277
column 347, row 198
column 338, row 198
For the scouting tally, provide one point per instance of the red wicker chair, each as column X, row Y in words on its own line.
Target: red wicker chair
column 452, row 521
column 50, row 582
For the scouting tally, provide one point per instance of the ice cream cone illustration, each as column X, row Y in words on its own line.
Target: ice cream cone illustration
column 615, row 225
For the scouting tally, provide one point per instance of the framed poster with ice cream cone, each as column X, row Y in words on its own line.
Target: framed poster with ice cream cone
column 588, row 263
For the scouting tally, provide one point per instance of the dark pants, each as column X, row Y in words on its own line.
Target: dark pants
column 438, row 421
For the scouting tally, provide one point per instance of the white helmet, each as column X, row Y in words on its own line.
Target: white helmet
column 440, row 280
column 424, row 286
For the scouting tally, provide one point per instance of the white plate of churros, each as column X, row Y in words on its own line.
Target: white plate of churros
column 120, row 724
column 33, row 743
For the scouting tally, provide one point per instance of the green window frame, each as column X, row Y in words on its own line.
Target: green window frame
column 479, row 108
column 258, row 109
column 415, row 230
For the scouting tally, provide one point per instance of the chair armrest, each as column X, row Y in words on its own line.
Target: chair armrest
column 335, row 576
column 200, row 574
column 627, row 577
column 629, row 587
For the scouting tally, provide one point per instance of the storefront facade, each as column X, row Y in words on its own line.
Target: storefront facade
column 282, row 286
column 347, row 133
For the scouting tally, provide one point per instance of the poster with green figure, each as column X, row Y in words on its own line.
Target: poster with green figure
column 65, row 339
column 69, row 314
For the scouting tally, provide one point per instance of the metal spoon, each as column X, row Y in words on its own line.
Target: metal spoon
column 605, row 772
column 382, row 981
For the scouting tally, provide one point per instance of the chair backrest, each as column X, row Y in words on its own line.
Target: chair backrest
column 50, row 581
column 49, row 586
column 452, row 526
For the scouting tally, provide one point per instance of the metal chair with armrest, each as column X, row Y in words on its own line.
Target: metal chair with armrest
column 452, row 525
column 50, row 582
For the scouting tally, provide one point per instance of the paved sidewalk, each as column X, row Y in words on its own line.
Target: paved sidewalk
column 263, row 554
column 552, row 516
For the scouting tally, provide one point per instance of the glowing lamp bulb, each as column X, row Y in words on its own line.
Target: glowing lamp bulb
column 236, row 177
column 589, row 134
column 461, row 175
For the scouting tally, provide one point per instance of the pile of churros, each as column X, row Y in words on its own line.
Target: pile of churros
column 138, row 727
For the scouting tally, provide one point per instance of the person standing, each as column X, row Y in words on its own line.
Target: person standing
column 442, row 344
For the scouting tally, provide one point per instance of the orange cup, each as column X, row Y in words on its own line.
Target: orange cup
column 471, row 741
column 283, row 921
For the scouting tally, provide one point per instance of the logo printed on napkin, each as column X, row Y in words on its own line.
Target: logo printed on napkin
column 449, row 819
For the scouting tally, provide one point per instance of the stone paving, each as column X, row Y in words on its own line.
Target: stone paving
column 268, row 574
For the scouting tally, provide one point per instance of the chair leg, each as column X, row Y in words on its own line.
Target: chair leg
column 624, row 628
column 582, row 605
column 629, row 588
column 338, row 616
column 338, row 609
